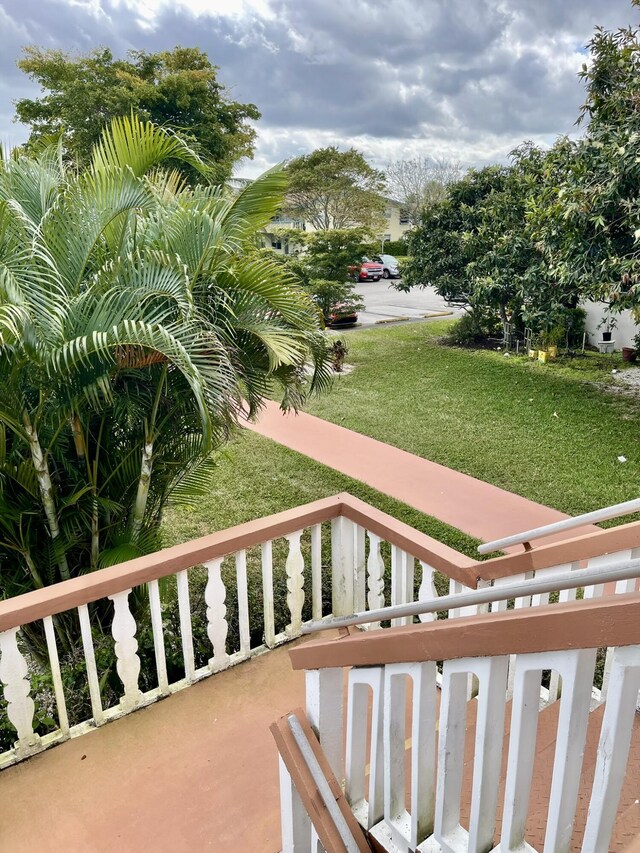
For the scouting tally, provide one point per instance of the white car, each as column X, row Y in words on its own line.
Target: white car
column 389, row 266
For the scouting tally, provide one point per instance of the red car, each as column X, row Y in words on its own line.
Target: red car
column 369, row 270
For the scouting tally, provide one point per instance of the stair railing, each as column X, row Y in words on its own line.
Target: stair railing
column 479, row 797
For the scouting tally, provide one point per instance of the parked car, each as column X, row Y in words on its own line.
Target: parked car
column 369, row 270
column 390, row 268
column 342, row 315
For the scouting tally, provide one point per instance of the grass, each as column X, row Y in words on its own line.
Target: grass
column 551, row 433
column 548, row 432
column 257, row 477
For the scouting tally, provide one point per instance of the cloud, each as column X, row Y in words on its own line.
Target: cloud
column 393, row 77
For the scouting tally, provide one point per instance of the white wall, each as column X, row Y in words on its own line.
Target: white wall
column 624, row 331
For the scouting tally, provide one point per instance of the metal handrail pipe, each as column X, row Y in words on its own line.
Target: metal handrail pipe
column 322, row 785
column 598, row 515
column 625, row 570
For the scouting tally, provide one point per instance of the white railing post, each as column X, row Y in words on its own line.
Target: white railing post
column 427, row 591
column 360, row 569
column 402, row 577
column 375, row 576
column 368, row 807
column 295, row 823
column 342, row 566
column 613, row 748
column 406, row 829
column 325, row 712
column 14, row 674
column 215, row 594
column 294, row 568
column 123, row 631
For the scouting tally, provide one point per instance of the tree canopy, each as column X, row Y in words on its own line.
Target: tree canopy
column 330, row 188
column 178, row 89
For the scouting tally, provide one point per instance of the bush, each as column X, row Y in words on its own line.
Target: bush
column 330, row 295
column 473, row 327
column 395, row 248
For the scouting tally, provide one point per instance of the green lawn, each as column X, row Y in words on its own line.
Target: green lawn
column 547, row 432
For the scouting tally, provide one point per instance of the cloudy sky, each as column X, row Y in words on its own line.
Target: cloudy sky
column 466, row 79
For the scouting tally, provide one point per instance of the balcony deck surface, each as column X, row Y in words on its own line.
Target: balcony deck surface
column 196, row 771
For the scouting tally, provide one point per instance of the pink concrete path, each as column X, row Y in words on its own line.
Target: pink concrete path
column 483, row 511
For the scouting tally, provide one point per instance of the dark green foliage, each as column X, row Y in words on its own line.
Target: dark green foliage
column 335, row 189
column 178, row 89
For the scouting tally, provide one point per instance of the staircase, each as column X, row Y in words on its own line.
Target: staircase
column 426, row 769
column 508, row 731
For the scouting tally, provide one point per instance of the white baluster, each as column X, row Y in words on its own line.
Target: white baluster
column 325, row 701
column 564, row 596
column 215, row 594
column 266, row 560
column 90, row 660
column 295, row 824
column 576, row 670
column 294, row 568
column 155, row 608
column 14, row 674
column 342, row 565
column 186, row 630
column 368, row 807
column 316, row 571
column 243, row 603
column 407, row 829
column 52, row 646
column 360, row 569
column 123, row 631
column 487, row 763
column 427, row 591
column 375, row 572
column 402, row 572
column 613, row 748
column 621, row 587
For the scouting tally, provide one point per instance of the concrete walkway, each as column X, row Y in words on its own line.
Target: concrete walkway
column 483, row 511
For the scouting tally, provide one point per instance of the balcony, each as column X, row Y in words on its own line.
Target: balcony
column 523, row 710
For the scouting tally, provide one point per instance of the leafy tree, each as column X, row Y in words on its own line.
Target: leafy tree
column 335, row 189
column 588, row 215
column 178, row 89
column 136, row 321
column 420, row 182
column 477, row 250
column 325, row 266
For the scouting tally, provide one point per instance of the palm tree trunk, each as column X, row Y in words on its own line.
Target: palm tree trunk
column 146, row 464
column 46, row 489
column 142, row 494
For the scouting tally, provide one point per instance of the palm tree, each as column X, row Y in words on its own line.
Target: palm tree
column 136, row 322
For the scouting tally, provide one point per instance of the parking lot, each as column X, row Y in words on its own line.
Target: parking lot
column 385, row 304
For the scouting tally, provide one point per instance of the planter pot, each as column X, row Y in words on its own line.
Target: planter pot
column 543, row 355
column 629, row 354
column 552, row 352
column 606, row 336
column 533, row 353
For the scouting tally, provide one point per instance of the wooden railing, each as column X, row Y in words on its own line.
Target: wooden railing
column 339, row 542
column 427, row 816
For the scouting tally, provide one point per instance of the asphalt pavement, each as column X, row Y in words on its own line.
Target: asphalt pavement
column 384, row 304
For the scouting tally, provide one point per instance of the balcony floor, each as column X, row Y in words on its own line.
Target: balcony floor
column 196, row 771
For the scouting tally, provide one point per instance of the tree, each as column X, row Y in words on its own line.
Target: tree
column 420, row 182
column 178, row 89
column 325, row 266
column 587, row 218
column 335, row 189
column 477, row 249
column 136, row 323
